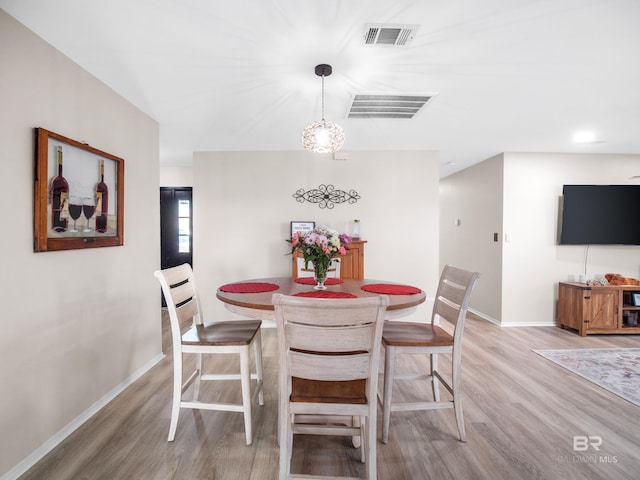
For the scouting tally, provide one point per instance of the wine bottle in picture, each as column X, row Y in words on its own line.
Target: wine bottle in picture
column 102, row 202
column 59, row 199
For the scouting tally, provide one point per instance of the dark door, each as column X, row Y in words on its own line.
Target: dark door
column 176, row 226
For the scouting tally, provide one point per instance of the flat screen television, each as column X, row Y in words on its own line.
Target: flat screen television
column 600, row 215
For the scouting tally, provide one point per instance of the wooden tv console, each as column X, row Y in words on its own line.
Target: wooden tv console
column 598, row 309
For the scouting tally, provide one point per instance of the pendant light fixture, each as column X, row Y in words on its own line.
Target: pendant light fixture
column 323, row 136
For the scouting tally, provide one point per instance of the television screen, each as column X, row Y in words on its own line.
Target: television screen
column 600, row 215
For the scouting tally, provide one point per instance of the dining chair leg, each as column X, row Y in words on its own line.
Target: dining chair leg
column 278, row 422
column 359, row 441
column 245, row 380
column 286, row 443
column 196, row 386
column 389, row 365
column 177, row 396
column 435, row 382
column 457, row 401
column 257, row 355
column 457, row 408
column 356, row 440
column 371, row 433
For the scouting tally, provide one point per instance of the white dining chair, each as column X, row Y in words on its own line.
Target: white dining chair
column 228, row 337
column 328, row 340
column 451, row 304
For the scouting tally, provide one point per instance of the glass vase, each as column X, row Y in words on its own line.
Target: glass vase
column 320, row 268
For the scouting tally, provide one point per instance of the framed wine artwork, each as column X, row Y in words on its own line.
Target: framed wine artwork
column 78, row 195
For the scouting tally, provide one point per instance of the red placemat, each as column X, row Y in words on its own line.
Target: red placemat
column 249, row 287
column 390, row 289
column 325, row 294
column 312, row 281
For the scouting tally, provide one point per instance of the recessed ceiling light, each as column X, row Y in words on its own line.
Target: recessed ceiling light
column 584, row 137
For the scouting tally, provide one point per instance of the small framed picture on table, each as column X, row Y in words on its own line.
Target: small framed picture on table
column 303, row 227
column 636, row 299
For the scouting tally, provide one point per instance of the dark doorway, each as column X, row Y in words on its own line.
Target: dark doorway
column 176, row 227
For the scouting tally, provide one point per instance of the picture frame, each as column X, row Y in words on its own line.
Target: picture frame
column 635, row 296
column 302, row 226
column 78, row 195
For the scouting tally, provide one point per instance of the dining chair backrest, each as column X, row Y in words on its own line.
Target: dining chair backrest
column 183, row 304
column 320, row 336
column 452, row 298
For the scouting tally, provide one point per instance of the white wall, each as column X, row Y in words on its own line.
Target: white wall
column 76, row 324
column 474, row 197
column 176, row 176
column 533, row 262
column 243, row 203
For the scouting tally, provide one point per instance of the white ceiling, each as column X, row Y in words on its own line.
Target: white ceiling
column 511, row 75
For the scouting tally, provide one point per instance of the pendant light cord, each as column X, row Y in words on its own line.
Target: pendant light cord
column 323, row 98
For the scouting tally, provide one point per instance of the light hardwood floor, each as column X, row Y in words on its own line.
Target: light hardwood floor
column 521, row 414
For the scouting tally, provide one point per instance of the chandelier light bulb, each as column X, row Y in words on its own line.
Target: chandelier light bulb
column 323, row 137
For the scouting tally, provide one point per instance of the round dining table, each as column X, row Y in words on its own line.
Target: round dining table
column 258, row 304
column 253, row 299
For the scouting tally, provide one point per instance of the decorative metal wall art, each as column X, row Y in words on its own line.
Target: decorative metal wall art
column 326, row 196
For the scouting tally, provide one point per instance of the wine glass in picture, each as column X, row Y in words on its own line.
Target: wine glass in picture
column 88, row 208
column 75, row 210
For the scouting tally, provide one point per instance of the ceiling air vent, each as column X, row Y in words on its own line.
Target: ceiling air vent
column 387, row 106
column 394, row 35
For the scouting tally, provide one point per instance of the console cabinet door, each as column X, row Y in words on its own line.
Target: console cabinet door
column 352, row 264
column 571, row 307
column 603, row 310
